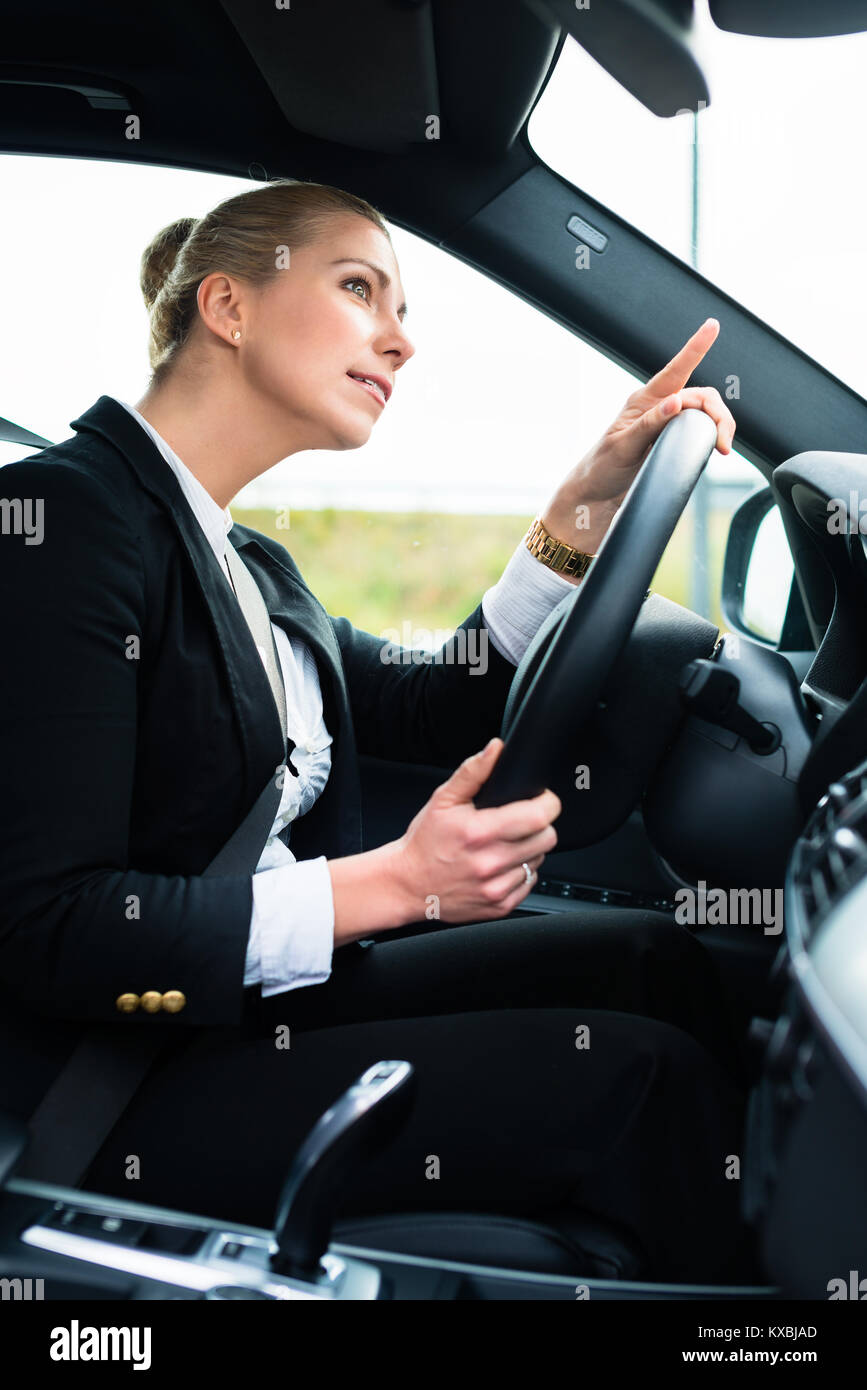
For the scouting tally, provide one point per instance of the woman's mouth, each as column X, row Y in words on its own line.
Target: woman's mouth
column 372, row 387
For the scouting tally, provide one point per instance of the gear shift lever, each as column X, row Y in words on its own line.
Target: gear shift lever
column 358, row 1125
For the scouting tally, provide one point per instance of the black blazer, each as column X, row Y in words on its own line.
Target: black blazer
column 137, row 728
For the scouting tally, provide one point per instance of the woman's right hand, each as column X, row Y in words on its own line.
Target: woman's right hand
column 468, row 862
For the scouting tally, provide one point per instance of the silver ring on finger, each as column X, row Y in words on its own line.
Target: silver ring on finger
column 528, row 872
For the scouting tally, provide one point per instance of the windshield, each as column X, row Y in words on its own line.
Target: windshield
column 769, row 202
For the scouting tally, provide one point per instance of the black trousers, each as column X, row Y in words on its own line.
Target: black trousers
column 567, row 1061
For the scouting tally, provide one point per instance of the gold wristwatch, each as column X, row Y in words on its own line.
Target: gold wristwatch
column 557, row 555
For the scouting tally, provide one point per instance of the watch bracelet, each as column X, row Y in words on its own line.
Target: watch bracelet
column 557, row 555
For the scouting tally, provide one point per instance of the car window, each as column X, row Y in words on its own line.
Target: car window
column 779, row 210
column 496, row 406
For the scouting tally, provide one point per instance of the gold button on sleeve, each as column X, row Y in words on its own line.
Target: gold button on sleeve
column 127, row 1003
column 152, row 1001
column 173, row 1001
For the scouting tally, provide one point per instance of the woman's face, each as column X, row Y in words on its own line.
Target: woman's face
column 334, row 315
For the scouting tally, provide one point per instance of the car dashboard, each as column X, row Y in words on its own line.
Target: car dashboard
column 807, row 1130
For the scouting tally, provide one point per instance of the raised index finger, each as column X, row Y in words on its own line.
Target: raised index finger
column 675, row 375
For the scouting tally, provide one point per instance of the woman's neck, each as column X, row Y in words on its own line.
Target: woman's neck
column 224, row 440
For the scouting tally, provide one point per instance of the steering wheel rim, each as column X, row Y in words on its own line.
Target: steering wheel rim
column 594, row 623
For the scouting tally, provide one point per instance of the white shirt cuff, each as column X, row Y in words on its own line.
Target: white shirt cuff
column 292, row 928
column 520, row 601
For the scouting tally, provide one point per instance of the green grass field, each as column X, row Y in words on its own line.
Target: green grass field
column 430, row 569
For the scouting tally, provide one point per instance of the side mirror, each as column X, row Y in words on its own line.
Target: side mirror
column 758, row 570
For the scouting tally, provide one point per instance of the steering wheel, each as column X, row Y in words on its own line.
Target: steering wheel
column 555, row 692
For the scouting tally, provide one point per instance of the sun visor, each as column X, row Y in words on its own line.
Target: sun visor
column 359, row 75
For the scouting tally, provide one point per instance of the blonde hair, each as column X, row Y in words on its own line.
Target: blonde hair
column 239, row 237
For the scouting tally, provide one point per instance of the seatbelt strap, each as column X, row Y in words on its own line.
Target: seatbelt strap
column 259, row 623
column 102, row 1074
column 17, row 434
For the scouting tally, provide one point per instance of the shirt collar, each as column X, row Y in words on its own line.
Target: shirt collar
column 215, row 521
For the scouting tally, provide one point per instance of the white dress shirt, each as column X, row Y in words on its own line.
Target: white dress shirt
column 292, row 926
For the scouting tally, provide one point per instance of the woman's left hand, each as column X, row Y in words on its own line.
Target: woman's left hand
column 584, row 504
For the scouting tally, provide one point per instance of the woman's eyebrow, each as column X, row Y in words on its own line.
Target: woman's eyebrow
column 384, row 279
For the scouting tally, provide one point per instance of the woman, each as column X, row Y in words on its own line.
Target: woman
column 139, row 728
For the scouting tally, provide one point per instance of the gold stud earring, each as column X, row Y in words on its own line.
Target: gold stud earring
column 236, row 333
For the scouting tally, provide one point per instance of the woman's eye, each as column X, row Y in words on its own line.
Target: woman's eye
column 360, row 280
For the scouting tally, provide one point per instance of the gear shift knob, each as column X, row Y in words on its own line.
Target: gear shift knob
column 357, row 1126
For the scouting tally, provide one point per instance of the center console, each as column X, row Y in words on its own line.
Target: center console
column 62, row 1243
column 82, row 1246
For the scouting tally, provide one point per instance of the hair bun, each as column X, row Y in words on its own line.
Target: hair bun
column 159, row 258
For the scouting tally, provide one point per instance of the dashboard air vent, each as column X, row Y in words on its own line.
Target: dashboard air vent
column 831, row 855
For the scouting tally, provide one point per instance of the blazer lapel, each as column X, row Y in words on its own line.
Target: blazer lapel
column 290, row 603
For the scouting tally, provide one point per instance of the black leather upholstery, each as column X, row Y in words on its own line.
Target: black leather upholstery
column 577, row 1245
column 13, row 1141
